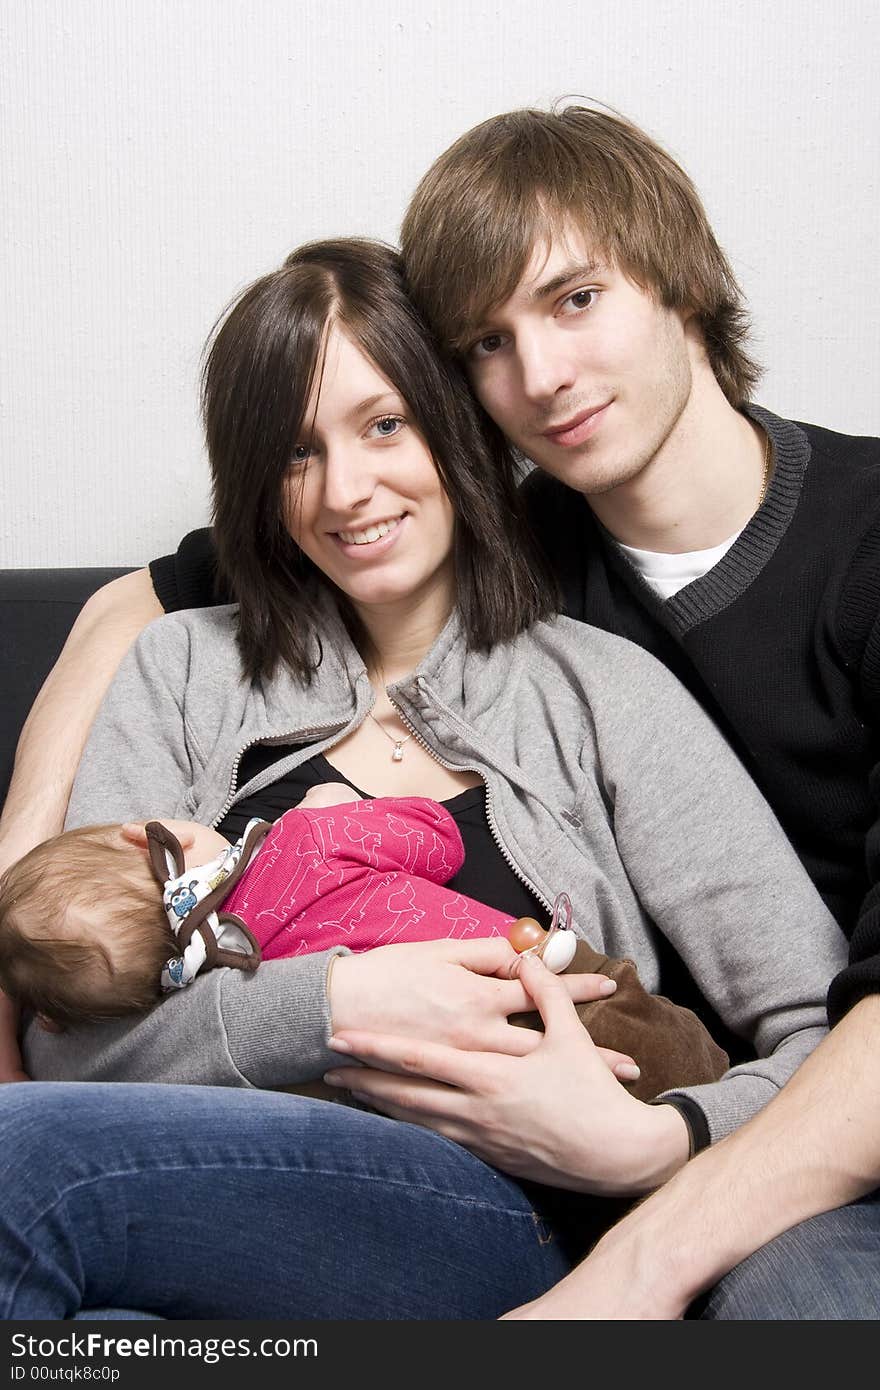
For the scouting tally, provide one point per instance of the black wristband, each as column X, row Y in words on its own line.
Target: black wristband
column 697, row 1124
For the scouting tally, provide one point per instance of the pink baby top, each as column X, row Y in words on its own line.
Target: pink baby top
column 363, row 874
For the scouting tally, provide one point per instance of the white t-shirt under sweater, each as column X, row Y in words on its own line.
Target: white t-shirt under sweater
column 668, row 573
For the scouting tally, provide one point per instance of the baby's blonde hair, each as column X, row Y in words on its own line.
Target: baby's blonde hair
column 83, row 933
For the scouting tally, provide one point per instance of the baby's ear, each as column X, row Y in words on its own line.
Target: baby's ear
column 135, row 832
column 49, row 1024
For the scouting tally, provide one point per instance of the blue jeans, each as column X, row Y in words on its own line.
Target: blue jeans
column 197, row 1202
column 826, row 1268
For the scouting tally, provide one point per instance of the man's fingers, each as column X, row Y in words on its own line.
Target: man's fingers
column 551, row 998
column 402, row 1097
column 411, row 1057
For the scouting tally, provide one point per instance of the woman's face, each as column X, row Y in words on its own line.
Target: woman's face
column 362, row 497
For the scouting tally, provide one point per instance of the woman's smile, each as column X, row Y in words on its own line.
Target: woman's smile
column 365, row 502
column 366, row 539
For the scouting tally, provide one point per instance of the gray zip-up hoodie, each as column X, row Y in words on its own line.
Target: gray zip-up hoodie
column 603, row 777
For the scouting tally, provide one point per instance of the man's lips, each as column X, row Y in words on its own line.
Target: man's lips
column 578, row 428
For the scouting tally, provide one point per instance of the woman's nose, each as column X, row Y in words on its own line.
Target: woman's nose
column 349, row 480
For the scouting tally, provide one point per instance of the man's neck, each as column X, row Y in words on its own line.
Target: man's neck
column 700, row 488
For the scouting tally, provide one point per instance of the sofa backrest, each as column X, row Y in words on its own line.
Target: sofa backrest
column 37, row 611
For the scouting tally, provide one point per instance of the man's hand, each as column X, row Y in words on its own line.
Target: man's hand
column 551, row 1112
column 605, row 1288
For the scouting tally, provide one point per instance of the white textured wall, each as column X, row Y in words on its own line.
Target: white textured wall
column 158, row 154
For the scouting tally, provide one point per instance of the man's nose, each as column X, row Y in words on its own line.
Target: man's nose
column 349, row 480
column 545, row 367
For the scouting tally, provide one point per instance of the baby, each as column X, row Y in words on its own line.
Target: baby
column 86, row 934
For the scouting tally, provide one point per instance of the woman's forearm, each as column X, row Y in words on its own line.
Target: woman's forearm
column 56, row 729
column 228, row 1028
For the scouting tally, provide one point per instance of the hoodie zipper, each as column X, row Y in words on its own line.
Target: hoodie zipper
column 490, row 814
column 297, row 735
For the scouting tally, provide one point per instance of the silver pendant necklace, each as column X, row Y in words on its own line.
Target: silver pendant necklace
column 397, row 750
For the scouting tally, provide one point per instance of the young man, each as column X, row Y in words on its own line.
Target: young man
column 569, row 263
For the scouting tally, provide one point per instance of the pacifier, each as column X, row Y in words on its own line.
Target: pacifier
column 556, row 947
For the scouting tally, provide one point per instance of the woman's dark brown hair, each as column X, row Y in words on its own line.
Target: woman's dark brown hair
column 261, row 364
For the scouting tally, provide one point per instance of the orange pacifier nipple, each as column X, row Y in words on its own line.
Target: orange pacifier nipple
column 556, row 947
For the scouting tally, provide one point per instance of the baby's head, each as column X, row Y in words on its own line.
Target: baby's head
column 83, row 933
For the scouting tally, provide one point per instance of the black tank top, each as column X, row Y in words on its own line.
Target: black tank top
column 485, row 874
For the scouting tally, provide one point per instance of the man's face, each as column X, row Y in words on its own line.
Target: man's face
column 584, row 372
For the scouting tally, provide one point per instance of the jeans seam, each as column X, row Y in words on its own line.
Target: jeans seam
column 527, row 1211
column 542, row 1230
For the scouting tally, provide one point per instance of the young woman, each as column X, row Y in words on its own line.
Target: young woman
column 390, row 631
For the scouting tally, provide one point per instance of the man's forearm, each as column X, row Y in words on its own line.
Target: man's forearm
column 58, row 725
column 813, row 1148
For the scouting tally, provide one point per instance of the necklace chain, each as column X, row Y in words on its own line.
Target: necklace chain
column 397, row 751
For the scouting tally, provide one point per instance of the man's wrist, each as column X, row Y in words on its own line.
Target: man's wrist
column 646, row 1255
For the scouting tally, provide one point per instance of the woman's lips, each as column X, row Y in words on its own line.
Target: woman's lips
column 578, row 428
column 367, row 550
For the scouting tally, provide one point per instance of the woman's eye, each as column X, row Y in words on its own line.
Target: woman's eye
column 301, row 453
column 580, row 300
column 386, row 426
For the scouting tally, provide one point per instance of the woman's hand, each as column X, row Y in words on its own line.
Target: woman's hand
column 454, row 992
column 551, row 1112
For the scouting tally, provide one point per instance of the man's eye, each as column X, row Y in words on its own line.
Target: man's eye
column 578, row 301
column 484, row 347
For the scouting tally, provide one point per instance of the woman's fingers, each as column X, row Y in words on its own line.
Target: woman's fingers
column 620, row 1064
column 584, row 989
column 487, row 955
column 581, row 989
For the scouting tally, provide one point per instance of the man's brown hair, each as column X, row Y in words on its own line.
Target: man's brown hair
column 515, row 180
column 83, row 933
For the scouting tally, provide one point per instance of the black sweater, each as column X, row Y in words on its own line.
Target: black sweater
column 780, row 642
